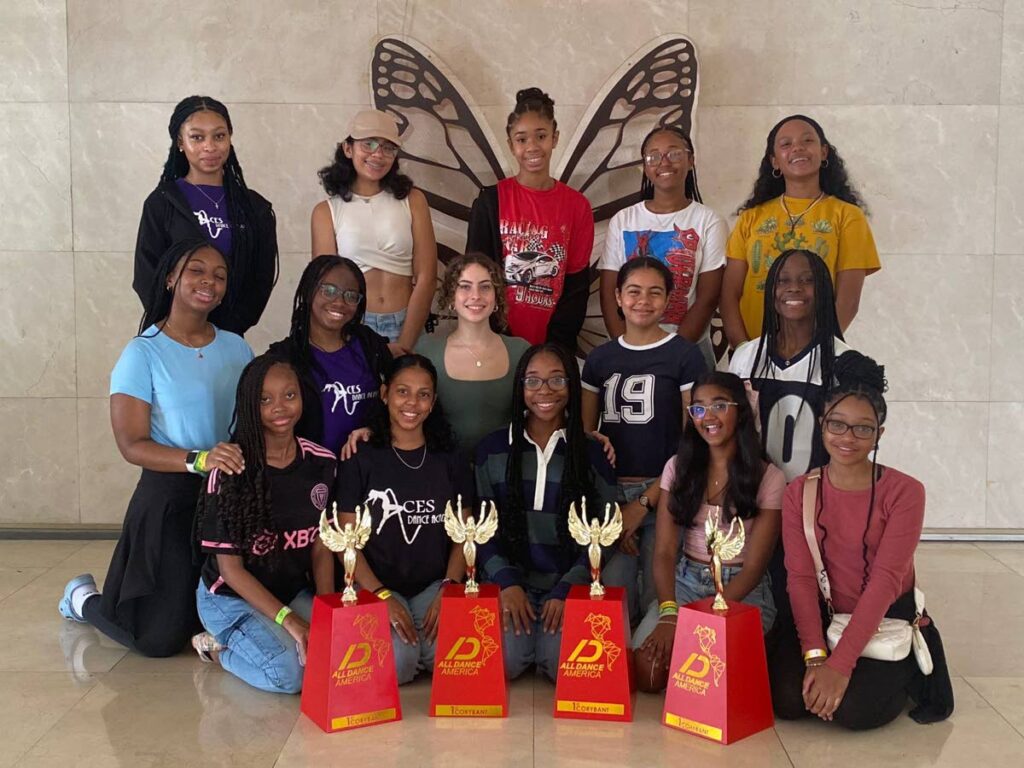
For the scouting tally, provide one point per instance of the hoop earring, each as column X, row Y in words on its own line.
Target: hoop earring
column 776, row 173
column 824, row 163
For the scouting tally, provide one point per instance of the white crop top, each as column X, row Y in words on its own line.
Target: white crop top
column 375, row 232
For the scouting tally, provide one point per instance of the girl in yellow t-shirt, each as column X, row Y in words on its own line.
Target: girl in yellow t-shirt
column 802, row 199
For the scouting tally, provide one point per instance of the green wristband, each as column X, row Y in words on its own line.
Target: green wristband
column 282, row 615
column 200, row 463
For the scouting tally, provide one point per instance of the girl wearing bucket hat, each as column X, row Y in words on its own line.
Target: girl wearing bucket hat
column 375, row 216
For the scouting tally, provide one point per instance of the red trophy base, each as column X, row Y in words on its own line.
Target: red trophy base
column 718, row 681
column 469, row 666
column 350, row 678
column 595, row 675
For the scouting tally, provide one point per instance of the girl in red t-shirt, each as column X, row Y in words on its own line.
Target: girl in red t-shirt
column 539, row 229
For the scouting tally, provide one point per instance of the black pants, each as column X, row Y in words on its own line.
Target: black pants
column 148, row 602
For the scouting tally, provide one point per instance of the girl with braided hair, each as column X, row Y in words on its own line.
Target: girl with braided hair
column 533, row 470
column 867, row 523
column 802, row 199
column 340, row 361
column 202, row 193
column 172, row 393
column 258, row 530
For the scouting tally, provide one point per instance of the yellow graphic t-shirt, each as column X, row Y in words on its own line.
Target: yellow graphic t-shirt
column 835, row 230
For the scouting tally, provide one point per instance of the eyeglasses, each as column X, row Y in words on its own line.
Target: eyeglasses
column 860, row 431
column 555, row 383
column 700, row 411
column 372, row 145
column 654, row 157
column 330, row 291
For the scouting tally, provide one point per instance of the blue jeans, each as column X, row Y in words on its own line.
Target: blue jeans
column 538, row 647
column 634, row 573
column 410, row 659
column 387, row 324
column 694, row 581
column 257, row 650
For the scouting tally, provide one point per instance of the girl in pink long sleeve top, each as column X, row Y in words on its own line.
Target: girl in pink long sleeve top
column 868, row 521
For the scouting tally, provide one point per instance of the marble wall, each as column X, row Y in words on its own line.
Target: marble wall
column 925, row 100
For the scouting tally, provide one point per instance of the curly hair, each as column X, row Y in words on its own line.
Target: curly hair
column 338, row 177
column 450, row 281
column 531, row 100
column 436, row 429
column 832, row 176
column 746, row 468
column 577, row 478
column 692, row 191
column 244, row 503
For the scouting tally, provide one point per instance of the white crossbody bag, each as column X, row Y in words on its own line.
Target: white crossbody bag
column 895, row 638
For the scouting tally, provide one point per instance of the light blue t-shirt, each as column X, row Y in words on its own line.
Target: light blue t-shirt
column 191, row 398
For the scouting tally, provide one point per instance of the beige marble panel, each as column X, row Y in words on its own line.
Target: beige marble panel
column 281, row 147
column 277, row 317
column 1005, row 481
column 926, row 172
column 1009, row 181
column 1009, row 553
column 1005, row 695
column 35, row 702
column 46, row 553
column 1008, row 329
column 238, row 50
column 1012, row 81
column 33, row 51
column 117, row 154
column 39, row 479
column 107, row 315
column 106, row 480
column 878, row 52
column 13, row 579
column 35, row 183
column 37, row 326
column 928, row 319
column 498, row 47
column 975, row 735
column 944, row 446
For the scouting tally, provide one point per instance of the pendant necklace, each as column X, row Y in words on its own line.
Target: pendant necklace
column 795, row 220
column 187, row 343
column 407, row 465
column 216, row 203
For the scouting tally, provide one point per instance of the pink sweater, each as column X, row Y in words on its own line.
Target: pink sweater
column 891, row 540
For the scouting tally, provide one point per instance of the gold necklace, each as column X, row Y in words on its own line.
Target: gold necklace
column 184, row 340
column 794, row 220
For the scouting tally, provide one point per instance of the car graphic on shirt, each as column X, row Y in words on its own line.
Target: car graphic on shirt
column 524, row 267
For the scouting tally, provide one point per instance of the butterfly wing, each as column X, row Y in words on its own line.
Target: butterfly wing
column 657, row 85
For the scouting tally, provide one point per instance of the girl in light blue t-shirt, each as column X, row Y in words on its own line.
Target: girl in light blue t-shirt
column 171, row 399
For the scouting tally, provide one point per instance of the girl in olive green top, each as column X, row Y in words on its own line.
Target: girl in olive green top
column 475, row 365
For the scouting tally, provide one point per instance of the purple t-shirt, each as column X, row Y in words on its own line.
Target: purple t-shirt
column 210, row 206
column 346, row 385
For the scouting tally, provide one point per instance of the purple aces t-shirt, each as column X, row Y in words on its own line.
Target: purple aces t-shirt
column 210, row 206
column 346, row 385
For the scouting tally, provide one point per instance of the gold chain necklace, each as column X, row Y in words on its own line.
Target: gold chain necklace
column 794, row 220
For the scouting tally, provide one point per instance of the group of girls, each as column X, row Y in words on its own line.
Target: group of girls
column 498, row 410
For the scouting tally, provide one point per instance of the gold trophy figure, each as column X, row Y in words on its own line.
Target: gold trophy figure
column 348, row 539
column 468, row 532
column 722, row 546
column 595, row 534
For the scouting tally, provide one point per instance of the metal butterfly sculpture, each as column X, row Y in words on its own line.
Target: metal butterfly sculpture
column 453, row 154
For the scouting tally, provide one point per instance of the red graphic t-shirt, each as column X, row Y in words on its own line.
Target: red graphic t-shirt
column 545, row 235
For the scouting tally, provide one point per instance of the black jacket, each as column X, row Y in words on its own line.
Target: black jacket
column 484, row 237
column 168, row 218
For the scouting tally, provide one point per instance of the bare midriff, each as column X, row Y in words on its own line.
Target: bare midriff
column 387, row 292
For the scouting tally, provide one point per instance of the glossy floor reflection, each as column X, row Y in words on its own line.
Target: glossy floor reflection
column 71, row 698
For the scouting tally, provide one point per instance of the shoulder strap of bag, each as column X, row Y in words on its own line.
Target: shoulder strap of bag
column 810, row 499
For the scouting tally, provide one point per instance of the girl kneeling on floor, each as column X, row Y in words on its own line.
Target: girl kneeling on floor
column 258, row 530
column 867, row 522
column 720, row 469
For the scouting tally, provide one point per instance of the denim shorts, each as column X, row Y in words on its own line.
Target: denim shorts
column 694, row 582
column 387, row 324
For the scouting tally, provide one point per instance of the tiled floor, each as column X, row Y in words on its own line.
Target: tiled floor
column 71, row 698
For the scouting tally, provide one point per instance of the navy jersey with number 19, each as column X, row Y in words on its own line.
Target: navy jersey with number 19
column 641, row 402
